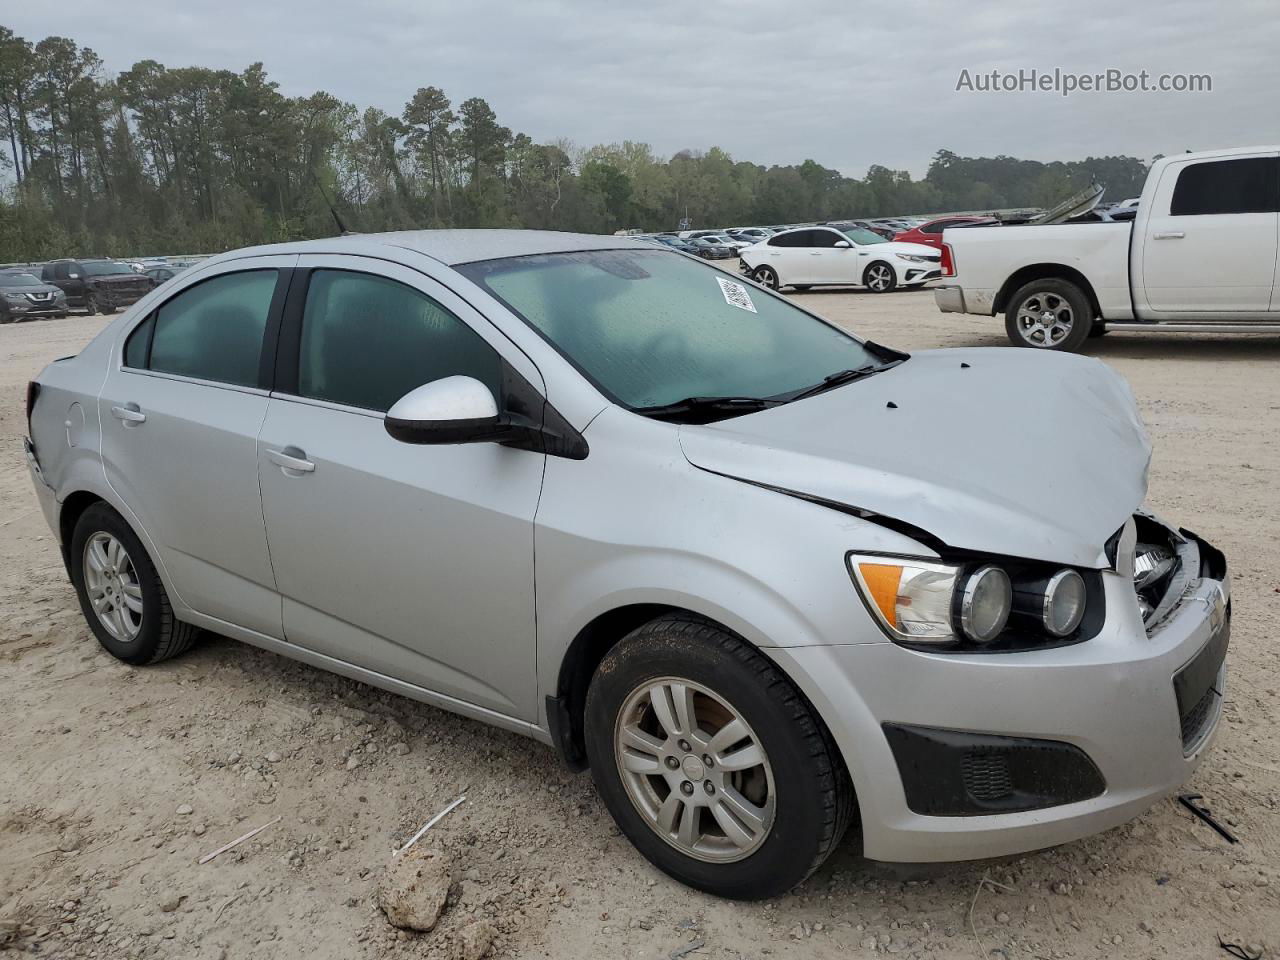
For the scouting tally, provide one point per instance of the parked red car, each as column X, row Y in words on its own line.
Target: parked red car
column 931, row 234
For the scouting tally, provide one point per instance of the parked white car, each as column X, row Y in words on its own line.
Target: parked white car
column 1199, row 256
column 828, row 256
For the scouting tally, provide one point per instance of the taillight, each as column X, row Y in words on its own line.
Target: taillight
column 33, row 391
column 948, row 261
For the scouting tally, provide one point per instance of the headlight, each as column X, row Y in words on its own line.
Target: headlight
column 14, row 296
column 985, row 602
column 911, row 598
column 1057, row 602
column 1007, row 606
column 912, row 257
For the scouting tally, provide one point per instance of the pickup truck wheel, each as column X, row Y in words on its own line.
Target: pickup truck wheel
column 711, row 762
column 91, row 305
column 1049, row 314
column 879, row 277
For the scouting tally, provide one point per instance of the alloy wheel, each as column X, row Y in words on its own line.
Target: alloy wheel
column 111, row 582
column 1045, row 319
column 766, row 278
column 695, row 770
column 879, row 277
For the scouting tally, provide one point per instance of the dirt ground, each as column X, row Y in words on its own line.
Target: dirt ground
column 114, row 781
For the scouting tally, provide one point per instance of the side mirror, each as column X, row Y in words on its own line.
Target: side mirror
column 843, row 244
column 450, row 410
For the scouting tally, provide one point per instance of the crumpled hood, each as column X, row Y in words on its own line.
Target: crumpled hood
column 1035, row 455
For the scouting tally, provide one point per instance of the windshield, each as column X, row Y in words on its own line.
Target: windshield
column 105, row 268
column 862, row 236
column 19, row 280
column 651, row 328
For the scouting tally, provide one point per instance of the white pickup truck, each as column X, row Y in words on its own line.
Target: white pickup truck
column 1200, row 255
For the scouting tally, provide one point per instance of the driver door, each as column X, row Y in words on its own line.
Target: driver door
column 415, row 562
column 831, row 263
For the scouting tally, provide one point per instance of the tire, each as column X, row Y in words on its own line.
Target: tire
column 156, row 633
column 879, row 277
column 1049, row 314
column 795, row 783
column 90, row 305
column 766, row 276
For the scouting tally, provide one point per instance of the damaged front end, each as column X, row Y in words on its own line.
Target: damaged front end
column 1171, row 569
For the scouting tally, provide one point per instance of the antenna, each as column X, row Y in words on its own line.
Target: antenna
column 342, row 229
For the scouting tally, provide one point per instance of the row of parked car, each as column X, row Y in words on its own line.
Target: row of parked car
column 880, row 256
column 53, row 289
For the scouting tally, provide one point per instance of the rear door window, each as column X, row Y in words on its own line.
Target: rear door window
column 211, row 331
column 1247, row 185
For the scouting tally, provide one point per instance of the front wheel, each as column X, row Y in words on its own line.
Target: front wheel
column 120, row 592
column 879, row 277
column 712, row 763
column 91, row 305
column 766, row 276
column 1049, row 314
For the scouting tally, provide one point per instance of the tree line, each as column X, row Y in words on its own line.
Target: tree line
column 170, row 160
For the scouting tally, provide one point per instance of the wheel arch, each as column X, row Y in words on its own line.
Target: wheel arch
column 69, row 514
column 1044, row 271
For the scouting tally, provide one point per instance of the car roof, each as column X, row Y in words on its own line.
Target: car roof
column 453, row 247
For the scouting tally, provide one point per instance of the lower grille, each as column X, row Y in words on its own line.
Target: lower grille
column 1194, row 720
column 986, row 776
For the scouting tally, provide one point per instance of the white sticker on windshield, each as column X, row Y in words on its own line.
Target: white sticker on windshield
column 735, row 294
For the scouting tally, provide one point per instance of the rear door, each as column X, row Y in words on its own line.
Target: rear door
column 415, row 562
column 1210, row 243
column 180, row 414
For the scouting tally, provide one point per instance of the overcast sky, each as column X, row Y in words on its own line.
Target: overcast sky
column 773, row 81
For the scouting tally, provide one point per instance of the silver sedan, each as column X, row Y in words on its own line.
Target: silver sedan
column 765, row 579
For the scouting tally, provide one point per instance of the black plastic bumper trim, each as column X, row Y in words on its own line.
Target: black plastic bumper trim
column 953, row 773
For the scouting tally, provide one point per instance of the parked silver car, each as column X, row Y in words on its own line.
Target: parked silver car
column 765, row 579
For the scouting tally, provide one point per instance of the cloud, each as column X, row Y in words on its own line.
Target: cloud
column 847, row 84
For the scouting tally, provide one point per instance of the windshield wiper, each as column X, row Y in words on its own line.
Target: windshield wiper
column 706, row 409
column 841, row 377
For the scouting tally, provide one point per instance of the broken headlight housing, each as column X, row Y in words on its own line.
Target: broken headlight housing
column 978, row 605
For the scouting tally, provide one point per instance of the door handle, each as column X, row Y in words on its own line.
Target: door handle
column 1168, row 235
column 291, row 458
column 129, row 413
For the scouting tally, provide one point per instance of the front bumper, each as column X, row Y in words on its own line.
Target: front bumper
column 916, row 275
column 1112, row 697
column 28, row 309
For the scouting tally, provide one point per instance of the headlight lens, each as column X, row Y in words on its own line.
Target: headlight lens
column 1063, row 607
column 910, row 598
column 912, row 257
column 985, row 603
column 1021, row 604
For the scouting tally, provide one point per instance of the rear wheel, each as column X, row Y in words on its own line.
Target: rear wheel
column 712, row 763
column 1049, row 314
column 766, row 276
column 879, row 277
column 120, row 592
